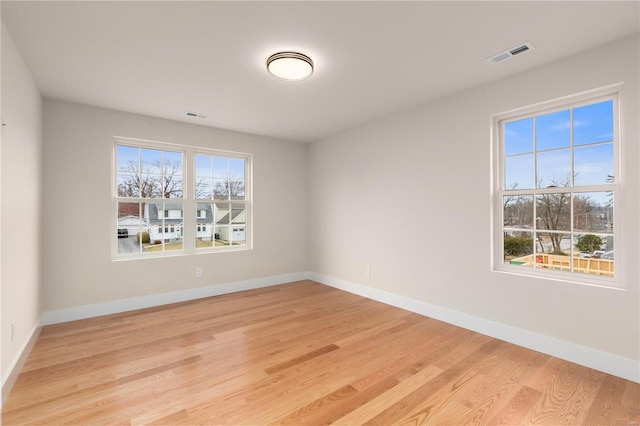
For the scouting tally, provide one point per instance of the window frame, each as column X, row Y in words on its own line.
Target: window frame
column 190, row 214
column 229, row 202
column 499, row 191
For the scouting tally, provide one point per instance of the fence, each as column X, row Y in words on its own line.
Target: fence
column 580, row 264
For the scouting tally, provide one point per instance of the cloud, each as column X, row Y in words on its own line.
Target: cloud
column 580, row 123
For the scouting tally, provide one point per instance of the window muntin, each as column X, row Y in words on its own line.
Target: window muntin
column 149, row 173
column 220, row 178
column 154, row 189
column 222, row 181
column 556, row 192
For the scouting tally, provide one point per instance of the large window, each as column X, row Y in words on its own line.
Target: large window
column 556, row 190
column 173, row 199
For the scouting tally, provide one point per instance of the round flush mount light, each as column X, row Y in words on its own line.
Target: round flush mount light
column 290, row 65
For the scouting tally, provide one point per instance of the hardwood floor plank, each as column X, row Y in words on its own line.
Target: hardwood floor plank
column 178, row 418
column 300, row 353
column 567, row 396
column 398, row 392
column 453, row 378
column 301, row 358
column 517, row 407
column 304, row 414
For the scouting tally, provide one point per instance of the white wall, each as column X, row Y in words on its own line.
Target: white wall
column 21, row 168
column 410, row 196
column 77, row 267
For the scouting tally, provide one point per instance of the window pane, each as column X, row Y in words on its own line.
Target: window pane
column 129, row 224
column 518, row 211
column 221, row 189
column 151, row 161
column 154, row 217
column 238, row 214
column 221, row 167
column 553, row 130
column 128, row 185
column 236, row 168
column 172, row 175
column 519, row 172
column 518, row 137
column 553, row 211
column 589, row 245
column 204, row 225
column 553, row 243
column 172, row 162
column 236, row 189
column 165, row 230
column 128, row 158
column 203, row 189
column 172, row 186
column 222, row 236
column 221, row 214
column 554, row 169
column 593, row 123
column 238, row 237
column 150, row 186
column 136, row 243
column 593, row 212
column 204, row 166
column 593, row 165
column 518, row 248
column 594, row 254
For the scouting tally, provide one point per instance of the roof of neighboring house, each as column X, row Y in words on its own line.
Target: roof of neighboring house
column 234, row 214
column 154, row 218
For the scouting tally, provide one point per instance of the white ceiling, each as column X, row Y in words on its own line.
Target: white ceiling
column 372, row 58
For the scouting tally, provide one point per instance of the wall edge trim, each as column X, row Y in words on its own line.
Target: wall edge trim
column 615, row 365
column 18, row 363
column 124, row 305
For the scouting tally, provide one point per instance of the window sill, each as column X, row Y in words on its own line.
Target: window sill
column 564, row 277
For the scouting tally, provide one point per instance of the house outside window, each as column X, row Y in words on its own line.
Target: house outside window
column 156, row 184
column 221, row 191
column 556, row 188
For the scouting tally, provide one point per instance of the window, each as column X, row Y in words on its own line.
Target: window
column 220, row 188
column 556, row 190
column 156, row 184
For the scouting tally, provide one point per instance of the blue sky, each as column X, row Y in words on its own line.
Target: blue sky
column 150, row 157
column 207, row 166
column 592, row 127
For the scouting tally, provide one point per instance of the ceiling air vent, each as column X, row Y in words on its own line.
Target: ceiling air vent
column 508, row 54
column 196, row 115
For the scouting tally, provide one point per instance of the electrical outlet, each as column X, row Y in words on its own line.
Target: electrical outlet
column 199, row 272
column 13, row 330
column 367, row 270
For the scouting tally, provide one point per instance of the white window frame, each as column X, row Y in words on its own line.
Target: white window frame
column 229, row 202
column 498, row 190
column 190, row 214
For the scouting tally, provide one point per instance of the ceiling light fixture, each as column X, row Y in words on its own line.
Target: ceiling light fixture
column 290, row 65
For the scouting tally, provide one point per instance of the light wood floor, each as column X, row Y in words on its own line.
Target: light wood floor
column 300, row 353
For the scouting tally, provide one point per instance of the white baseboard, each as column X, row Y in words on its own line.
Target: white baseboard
column 609, row 363
column 16, row 366
column 123, row 305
